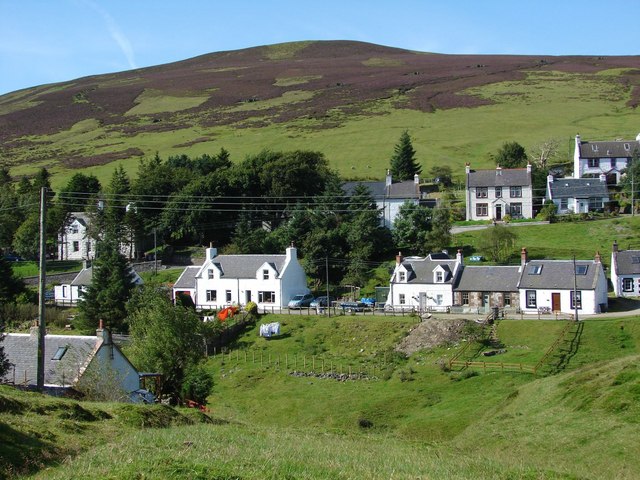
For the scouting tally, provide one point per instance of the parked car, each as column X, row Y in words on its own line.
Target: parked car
column 12, row 257
column 300, row 301
column 322, row 301
column 353, row 306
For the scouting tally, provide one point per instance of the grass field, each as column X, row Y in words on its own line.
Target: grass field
column 417, row 421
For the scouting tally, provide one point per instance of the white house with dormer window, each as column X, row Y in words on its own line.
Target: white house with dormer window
column 223, row 280
column 424, row 283
column 608, row 158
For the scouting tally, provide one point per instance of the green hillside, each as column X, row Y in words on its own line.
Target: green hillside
column 349, row 100
column 408, row 418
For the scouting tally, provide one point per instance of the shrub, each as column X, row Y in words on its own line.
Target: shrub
column 251, row 308
column 197, row 384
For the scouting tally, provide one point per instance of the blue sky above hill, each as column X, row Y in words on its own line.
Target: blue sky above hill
column 45, row 41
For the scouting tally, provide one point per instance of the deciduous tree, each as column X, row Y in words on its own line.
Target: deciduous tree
column 497, row 243
column 511, row 155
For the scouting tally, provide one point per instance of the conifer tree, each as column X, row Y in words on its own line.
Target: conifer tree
column 403, row 162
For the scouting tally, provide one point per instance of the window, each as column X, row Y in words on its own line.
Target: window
column 516, row 210
column 582, row 269
column 465, row 298
column 595, row 203
column 564, row 203
column 402, row 277
column 212, row 295
column 577, row 296
column 515, row 192
column 507, row 299
column 627, row 147
column 498, row 192
column 535, row 269
column 482, row 192
column 531, row 299
column 266, row 297
column 59, row 353
column 64, row 291
column 265, row 274
column 627, row 284
column 594, row 162
column 439, row 277
column 482, row 210
column 439, row 299
column 228, row 296
column 76, row 246
column 401, row 299
column 74, row 229
column 210, row 273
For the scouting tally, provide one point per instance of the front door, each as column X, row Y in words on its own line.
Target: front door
column 555, row 302
column 248, row 296
column 498, row 212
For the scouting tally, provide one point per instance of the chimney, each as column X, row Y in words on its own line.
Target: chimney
column 103, row 333
column 292, row 253
column 211, row 252
column 467, row 168
column 498, row 170
column 598, row 258
column 416, row 179
column 603, row 178
column 399, row 258
column 524, row 257
column 615, row 246
column 388, row 180
column 460, row 257
column 528, row 167
column 549, row 178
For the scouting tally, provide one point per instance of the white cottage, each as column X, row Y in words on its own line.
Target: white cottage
column 562, row 286
column 70, row 293
column 609, row 158
column 222, row 280
column 625, row 272
column 424, row 283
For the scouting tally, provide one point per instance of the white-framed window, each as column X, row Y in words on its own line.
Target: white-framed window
column 515, row 192
column 402, row 277
column 74, row 229
column 482, row 210
column 564, row 203
column 594, row 162
column 507, row 299
column 439, row 299
column 228, row 296
column 465, row 298
column 482, row 192
column 531, row 299
column 401, row 299
column 576, row 300
column 516, row 210
column 212, row 295
column 535, row 269
column 439, row 277
column 595, row 203
column 265, row 274
column 266, row 297
column 64, row 291
column 498, row 192
column 76, row 246
column 210, row 273
column 627, row 284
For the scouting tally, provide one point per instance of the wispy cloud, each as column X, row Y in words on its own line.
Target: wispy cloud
column 116, row 34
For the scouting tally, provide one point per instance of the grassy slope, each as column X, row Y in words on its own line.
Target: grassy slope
column 580, row 424
column 563, row 240
column 546, row 105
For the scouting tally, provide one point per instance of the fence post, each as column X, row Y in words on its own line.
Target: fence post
column 313, row 364
column 286, row 361
column 261, row 357
column 253, row 357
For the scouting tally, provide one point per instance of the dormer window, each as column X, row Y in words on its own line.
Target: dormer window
column 627, row 147
column 265, row 274
column 402, row 276
column 594, row 147
column 439, row 277
column 210, row 274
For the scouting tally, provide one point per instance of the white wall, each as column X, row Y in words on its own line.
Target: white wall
column 67, row 293
column 590, row 301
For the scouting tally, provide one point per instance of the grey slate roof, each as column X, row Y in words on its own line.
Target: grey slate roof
column 628, row 262
column 86, row 275
column 246, row 266
column 22, row 351
column 489, row 279
column 187, row 278
column 578, row 188
column 82, row 217
column 610, row 149
column 506, row 177
column 379, row 190
column 421, row 269
column 559, row 274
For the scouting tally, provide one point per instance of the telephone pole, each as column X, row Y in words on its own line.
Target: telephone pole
column 42, row 329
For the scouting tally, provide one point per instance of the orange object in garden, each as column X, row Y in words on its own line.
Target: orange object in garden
column 227, row 312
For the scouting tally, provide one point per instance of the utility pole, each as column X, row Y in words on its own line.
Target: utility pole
column 42, row 330
column 328, row 298
column 155, row 252
column 575, row 289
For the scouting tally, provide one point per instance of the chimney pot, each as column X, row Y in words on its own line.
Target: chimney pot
column 399, row 258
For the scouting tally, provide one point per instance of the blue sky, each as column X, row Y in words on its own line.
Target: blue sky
column 45, row 41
